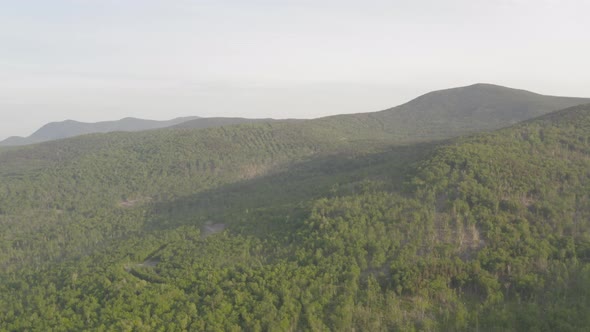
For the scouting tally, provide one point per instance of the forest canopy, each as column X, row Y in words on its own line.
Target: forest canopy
column 289, row 227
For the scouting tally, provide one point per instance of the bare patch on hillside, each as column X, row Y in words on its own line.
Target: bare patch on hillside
column 150, row 262
column 212, row 228
column 128, row 203
column 251, row 171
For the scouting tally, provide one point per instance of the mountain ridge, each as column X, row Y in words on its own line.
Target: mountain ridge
column 455, row 111
column 434, row 115
column 71, row 128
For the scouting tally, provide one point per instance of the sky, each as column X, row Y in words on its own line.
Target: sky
column 96, row 60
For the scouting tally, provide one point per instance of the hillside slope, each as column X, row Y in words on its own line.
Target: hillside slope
column 489, row 232
column 202, row 123
column 70, row 128
column 454, row 112
column 435, row 115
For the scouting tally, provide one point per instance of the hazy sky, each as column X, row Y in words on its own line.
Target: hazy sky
column 92, row 60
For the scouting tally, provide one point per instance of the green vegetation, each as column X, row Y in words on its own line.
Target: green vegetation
column 289, row 226
column 452, row 112
column 70, row 128
column 435, row 115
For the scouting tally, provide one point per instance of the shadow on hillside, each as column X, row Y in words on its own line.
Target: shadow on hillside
column 279, row 200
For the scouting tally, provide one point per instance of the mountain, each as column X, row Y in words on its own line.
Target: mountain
column 454, row 112
column 435, row 115
column 70, row 128
column 326, row 224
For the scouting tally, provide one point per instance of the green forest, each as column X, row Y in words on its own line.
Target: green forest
column 300, row 226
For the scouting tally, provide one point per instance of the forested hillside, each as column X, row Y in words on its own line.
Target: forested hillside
column 453, row 112
column 289, row 226
column 435, row 115
column 70, row 128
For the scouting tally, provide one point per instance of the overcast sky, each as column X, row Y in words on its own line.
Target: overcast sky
column 93, row 60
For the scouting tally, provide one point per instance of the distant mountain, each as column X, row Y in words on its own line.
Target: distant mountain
column 71, row 128
column 435, row 115
column 453, row 112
